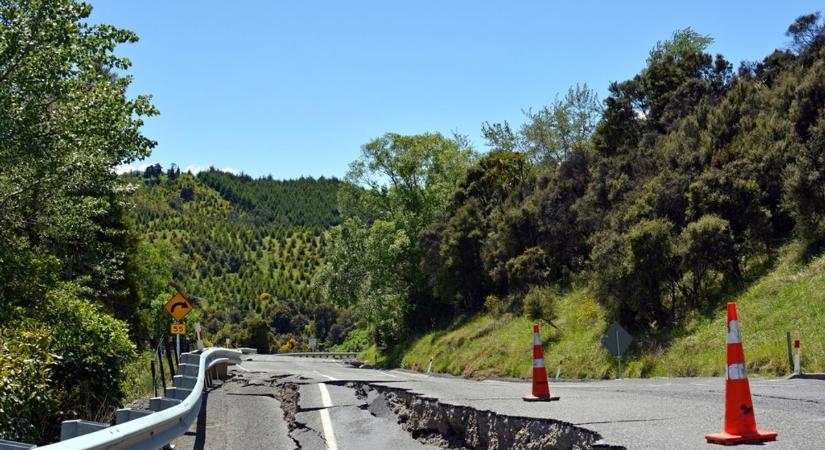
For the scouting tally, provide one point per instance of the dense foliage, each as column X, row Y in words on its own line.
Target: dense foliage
column 305, row 202
column 66, row 250
column 674, row 191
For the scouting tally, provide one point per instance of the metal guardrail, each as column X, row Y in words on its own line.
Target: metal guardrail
column 334, row 355
column 155, row 430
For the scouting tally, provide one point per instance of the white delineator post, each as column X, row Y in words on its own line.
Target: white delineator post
column 430, row 366
column 797, row 369
column 198, row 334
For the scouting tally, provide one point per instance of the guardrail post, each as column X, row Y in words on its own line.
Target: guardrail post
column 74, row 428
column 124, row 415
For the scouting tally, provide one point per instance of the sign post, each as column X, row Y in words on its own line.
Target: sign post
column 198, row 335
column 616, row 342
column 178, row 307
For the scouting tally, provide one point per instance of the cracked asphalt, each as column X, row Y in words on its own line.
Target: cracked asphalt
column 657, row 413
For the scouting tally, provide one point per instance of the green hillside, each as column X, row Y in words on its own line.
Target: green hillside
column 304, row 202
column 789, row 298
column 247, row 268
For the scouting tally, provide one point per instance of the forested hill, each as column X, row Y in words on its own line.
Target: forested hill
column 306, row 202
column 245, row 251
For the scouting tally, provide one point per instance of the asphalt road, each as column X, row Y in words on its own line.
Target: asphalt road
column 658, row 413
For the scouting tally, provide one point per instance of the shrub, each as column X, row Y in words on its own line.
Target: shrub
column 495, row 305
column 539, row 304
column 358, row 339
column 91, row 349
column 27, row 394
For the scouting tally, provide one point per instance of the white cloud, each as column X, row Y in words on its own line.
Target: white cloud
column 196, row 169
column 193, row 169
column 120, row 169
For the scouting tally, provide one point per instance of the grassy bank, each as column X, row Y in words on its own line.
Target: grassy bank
column 138, row 378
column 790, row 297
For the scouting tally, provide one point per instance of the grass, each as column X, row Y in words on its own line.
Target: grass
column 137, row 377
column 790, row 297
column 486, row 346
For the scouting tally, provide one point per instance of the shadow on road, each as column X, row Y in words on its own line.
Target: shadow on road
column 200, row 430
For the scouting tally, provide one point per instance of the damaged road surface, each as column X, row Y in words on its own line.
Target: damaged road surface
column 277, row 402
column 241, row 414
column 331, row 416
column 260, row 410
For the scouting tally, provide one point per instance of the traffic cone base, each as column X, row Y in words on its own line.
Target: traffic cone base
column 533, row 398
column 733, row 439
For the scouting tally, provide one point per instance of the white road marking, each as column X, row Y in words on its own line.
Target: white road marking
column 326, row 376
column 389, row 374
column 411, row 374
column 326, row 423
column 242, row 368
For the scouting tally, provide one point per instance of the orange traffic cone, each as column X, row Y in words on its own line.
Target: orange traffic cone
column 541, row 389
column 740, row 423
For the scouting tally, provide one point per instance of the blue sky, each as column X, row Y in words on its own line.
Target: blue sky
column 295, row 88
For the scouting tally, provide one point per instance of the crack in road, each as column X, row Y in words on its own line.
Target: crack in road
column 448, row 426
column 624, row 421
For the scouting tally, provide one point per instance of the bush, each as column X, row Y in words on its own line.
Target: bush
column 358, row 339
column 27, row 395
column 91, row 349
column 540, row 304
column 62, row 359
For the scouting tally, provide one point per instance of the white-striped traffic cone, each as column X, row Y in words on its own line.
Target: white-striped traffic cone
column 740, row 423
column 541, row 388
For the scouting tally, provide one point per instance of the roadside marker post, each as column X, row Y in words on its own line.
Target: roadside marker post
column 198, row 334
column 740, row 420
column 797, row 367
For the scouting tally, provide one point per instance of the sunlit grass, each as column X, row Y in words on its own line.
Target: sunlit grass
column 791, row 297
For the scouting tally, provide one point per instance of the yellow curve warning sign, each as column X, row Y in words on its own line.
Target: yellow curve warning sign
column 178, row 307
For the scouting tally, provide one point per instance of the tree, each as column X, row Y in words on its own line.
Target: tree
column 634, row 273
column 706, row 245
column 66, row 123
column 552, row 132
column 804, row 195
column 400, row 185
column 453, row 244
column 407, row 178
column 807, row 33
